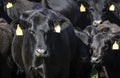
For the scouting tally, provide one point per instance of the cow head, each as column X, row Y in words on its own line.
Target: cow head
column 100, row 10
column 97, row 46
column 94, row 8
column 101, row 46
column 107, row 39
column 111, row 11
column 40, row 24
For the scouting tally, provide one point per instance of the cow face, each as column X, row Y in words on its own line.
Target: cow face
column 100, row 10
column 107, row 39
column 98, row 44
column 111, row 11
column 84, row 13
column 40, row 26
column 103, row 43
column 96, row 8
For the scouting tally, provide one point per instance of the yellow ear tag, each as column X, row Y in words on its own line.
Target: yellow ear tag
column 57, row 28
column 115, row 46
column 82, row 8
column 112, row 8
column 9, row 5
column 19, row 30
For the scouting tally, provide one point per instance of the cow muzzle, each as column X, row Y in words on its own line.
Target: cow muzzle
column 40, row 52
column 97, row 22
column 95, row 60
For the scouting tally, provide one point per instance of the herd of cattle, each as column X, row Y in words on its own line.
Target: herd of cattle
column 59, row 38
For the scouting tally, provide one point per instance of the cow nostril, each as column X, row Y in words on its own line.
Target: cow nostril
column 39, row 52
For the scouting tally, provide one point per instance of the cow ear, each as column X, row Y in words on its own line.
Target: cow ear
column 58, row 25
column 24, row 21
column 9, row 5
column 61, row 24
column 16, row 27
column 24, row 16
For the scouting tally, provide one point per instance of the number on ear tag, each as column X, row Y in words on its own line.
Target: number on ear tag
column 115, row 46
column 82, row 8
column 9, row 5
column 57, row 28
column 19, row 30
column 112, row 8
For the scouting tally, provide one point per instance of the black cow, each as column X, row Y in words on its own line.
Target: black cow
column 6, row 62
column 8, row 68
column 85, row 55
column 105, row 47
column 99, row 11
column 16, row 49
column 47, row 52
column 15, row 7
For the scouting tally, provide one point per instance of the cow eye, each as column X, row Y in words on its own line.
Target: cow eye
column 9, row 5
column 105, row 30
column 91, row 9
column 112, row 7
column 82, row 8
column 31, row 31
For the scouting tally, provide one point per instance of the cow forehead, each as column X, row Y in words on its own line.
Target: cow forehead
column 34, row 15
column 44, row 28
column 39, row 22
column 98, row 4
